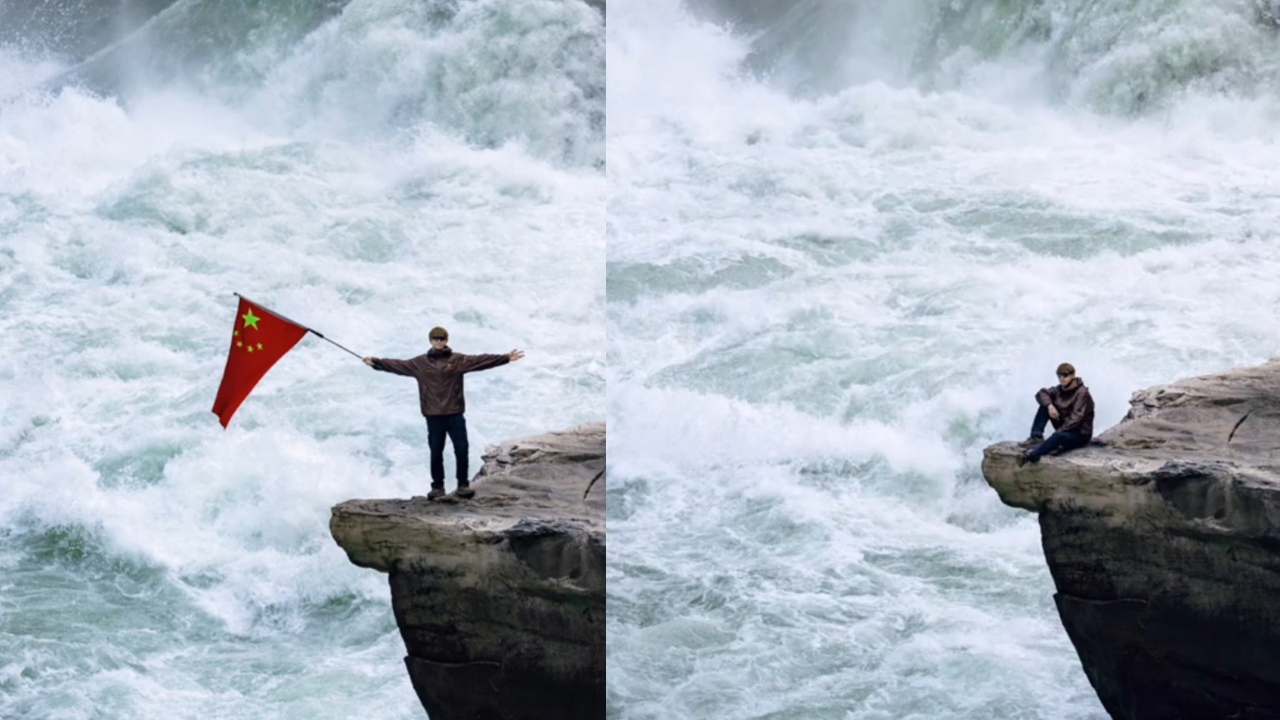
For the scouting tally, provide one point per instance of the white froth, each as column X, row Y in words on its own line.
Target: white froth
column 822, row 306
column 168, row 567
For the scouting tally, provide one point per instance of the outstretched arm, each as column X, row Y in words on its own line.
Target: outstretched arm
column 472, row 363
column 399, row 367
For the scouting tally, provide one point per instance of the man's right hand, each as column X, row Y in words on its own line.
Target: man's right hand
column 1053, row 412
column 368, row 361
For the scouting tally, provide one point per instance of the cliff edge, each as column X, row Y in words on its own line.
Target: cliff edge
column 1163, row 539
column 500, row 599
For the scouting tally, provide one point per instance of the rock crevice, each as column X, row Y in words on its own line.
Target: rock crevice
column 1163, row 540
column 500, row 599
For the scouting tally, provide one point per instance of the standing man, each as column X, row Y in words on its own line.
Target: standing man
column 439, row 374
column 1069, row 406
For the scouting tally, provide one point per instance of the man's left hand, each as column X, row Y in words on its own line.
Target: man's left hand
column 514, row 355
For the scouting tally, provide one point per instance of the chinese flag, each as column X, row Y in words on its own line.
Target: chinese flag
column 260, row 339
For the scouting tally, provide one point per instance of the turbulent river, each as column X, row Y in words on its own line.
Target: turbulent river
column 845, row 245
column 368, row 169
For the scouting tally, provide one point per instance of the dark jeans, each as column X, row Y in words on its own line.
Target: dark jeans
column 1057, row 441
column 455, row 427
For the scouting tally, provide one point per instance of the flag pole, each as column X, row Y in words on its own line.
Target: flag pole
column 291, row 322
column 327, row 339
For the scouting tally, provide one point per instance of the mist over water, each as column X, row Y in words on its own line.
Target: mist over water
column 369, row 171
column 846, row 244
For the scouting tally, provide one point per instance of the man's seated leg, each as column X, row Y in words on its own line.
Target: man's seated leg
column 1071, row 441
column 1057, row 442
column 1037, row 427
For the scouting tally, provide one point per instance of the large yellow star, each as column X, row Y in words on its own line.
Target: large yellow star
column 250, row 320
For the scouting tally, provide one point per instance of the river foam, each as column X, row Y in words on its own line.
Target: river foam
column 837, row 270
column 380, row 172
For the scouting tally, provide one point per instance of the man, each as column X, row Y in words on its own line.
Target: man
column 439, row 375
column 1069, row 406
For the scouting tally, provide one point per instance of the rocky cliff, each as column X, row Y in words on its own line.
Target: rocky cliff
column 500, row 599
column 1163, row 539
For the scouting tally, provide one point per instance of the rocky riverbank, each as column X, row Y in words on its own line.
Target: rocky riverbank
column 1163, row 539
column 500, row 599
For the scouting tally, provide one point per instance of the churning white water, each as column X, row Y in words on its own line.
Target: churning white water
column 392, row 166
column 846, row 244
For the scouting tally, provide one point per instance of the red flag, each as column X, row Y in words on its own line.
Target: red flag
column 260, row 339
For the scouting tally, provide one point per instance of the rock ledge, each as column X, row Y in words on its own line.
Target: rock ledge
column 500, row 599
column 1163, row 539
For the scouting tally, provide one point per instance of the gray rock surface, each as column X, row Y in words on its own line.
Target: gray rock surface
column 500, row 599
column 1163, row 539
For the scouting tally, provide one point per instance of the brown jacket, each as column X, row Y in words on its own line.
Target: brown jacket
column 1075, row 406
column 439, row 375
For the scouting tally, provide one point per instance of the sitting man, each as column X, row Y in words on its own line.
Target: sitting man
column 1069, row 406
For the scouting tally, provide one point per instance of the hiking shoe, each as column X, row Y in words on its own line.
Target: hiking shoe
column 1022, row 459
column 436, row 492
column 464, row 492
column 1031, row 441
